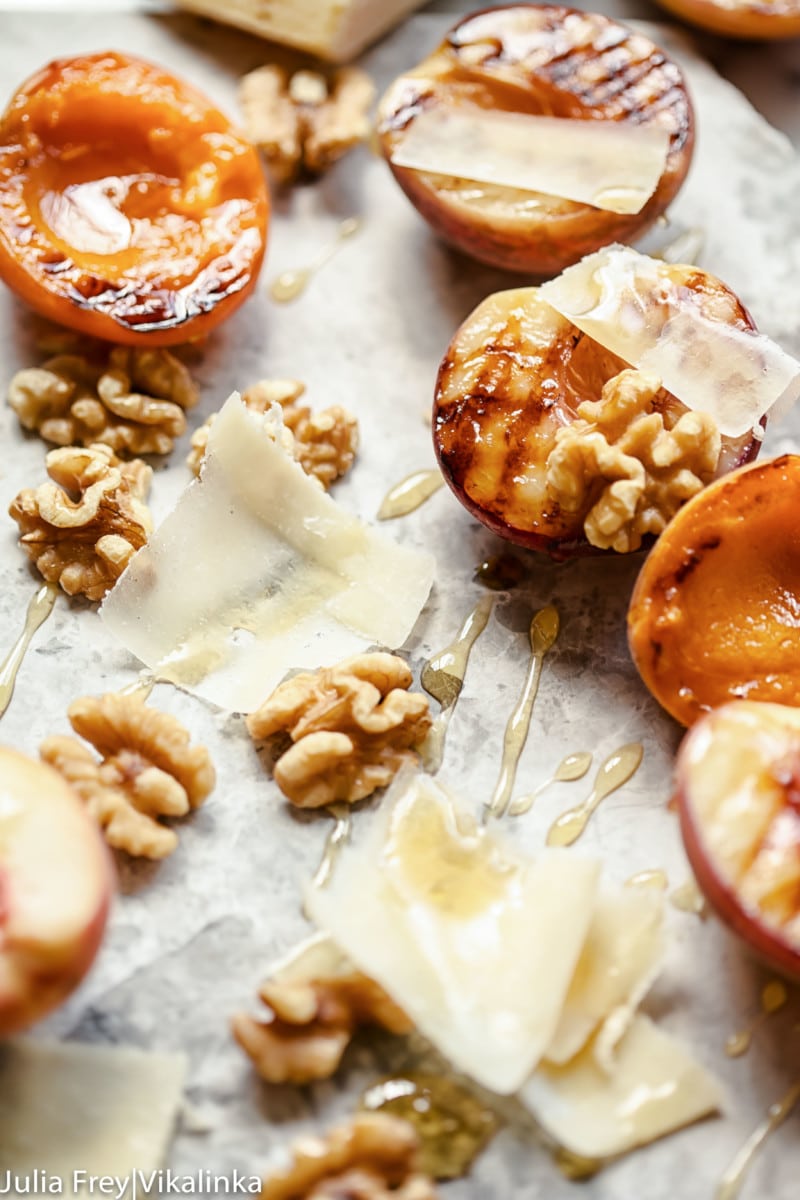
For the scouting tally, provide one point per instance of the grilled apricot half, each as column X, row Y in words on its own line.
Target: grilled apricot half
column 541, row 60
column 130, row 207
column 716, row 608
column 514, row 377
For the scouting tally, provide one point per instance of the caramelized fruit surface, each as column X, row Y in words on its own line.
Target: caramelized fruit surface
column 716, row 609
column 539, row 60
column 514, row 374
column 130, row 208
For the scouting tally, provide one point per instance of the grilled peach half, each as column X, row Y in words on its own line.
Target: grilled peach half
column 513, row 376
column 538, row 60
column 715, row 610
column 762, row 20
column 737, row 785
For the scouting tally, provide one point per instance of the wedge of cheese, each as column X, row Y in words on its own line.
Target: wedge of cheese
column 257, row 571
column 101, row 1110
column 630, row 304
column 652, row 1087
column 614, row 165
column 334, row 29
column 477, row 943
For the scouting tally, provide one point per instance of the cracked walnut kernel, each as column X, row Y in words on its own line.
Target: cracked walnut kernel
column 628, row 467
column 81, row 529
column 146, row 770
column 374, row 1157
column 305, row 120
column 135, row 403
column 354, row 725
column 324, row 443
column 312, row 1018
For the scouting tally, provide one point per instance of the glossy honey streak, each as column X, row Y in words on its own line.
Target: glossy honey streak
column 731, row 1182
column 334, row 843
column 410, row 494
column 774, row 996
column 543, row 633
column 653, row 879
column 571, row 768
column 689, row 899
column 452, row 1124
column 443, row 675
column 39, row 609
column 291, row 284
column 617, row 769
column 142, row 686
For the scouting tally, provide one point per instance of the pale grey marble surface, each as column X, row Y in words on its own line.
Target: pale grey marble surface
column 191, row 938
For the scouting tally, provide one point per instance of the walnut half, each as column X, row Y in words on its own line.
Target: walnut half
column 374, row 1157
column 311, row 1017
column 626, row 467
column 146, row 770
column 306, row 120
column 134, row 402
column 324, row 443
column 353, row 725
column 82, row 529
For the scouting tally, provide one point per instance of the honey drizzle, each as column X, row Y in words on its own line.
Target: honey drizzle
column 39, row 609
column 291, row 284
column 334, row 843
column 617, row 769
column 452, row 1124
column 731, row 1182
column 774, row 996
column 443, row 678
column 141, row 687
column 542, row 634
column 573, row 767
column 653, row 879
column 500, row 573
column 689, row 899
column 410, row 494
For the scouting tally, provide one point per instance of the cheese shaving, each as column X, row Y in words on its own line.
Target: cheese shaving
column 619, row 962
column 257, row 571
column 477, row 943
column 630, row 304
column 612, row 165
column 652, row 1088
column 102, row 1110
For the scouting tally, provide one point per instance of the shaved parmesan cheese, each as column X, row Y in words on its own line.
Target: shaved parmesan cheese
column 257, row 571
column 630, row 304
column 652, row 1088
column 613, row 165
column 475, row 942
column 619, row 962
column 103, row 1110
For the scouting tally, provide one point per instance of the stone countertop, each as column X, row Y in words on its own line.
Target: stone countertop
column 191, row 938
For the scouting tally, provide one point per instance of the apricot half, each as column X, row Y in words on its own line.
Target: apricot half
column 765, row 20
column 715, row 612
column 130, row 208
column 511, row 379
column 737, row 784
column 538, row 60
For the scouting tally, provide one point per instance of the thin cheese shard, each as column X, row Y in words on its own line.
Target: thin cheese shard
column 613, row 165
column 653, row 1088
column 257, row 571
column 475, row 942
column 105, row 1110
column 618, row 964
column 629, row 303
